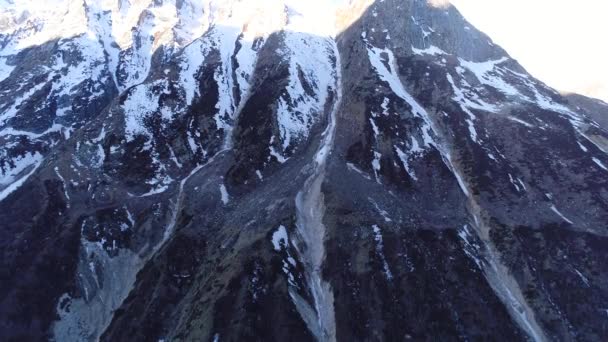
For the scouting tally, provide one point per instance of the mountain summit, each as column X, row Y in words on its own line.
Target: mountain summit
column 251, row 170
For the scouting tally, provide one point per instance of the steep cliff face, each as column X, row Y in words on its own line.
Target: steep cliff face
column 265, row 170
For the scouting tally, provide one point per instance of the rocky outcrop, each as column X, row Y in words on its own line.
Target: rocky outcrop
column 230, row 170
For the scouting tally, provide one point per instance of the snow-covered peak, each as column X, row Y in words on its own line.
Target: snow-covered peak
column 314, row 16
column 30, row 22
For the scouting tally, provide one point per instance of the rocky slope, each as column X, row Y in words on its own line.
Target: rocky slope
column 270, row 170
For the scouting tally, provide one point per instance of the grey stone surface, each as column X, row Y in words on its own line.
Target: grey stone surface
column 403, row 179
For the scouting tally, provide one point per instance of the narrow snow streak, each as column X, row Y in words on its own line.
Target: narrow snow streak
column 497, row 274
column 180, row 199
column 559, row 213
column 18, row 183
column 311, row 231
column 500, row 279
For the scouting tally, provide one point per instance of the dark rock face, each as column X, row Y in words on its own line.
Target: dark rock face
column 209, row 175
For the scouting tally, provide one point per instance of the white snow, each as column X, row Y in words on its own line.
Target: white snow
column 600, row 147
column 21, row 163
column 194, row 147
column 154, row 28
column 431, row 50
column 297, row 110
column 155, row 191
column 471, row 248
column 405, row 161
column 224, row 194
column 54, row 128
column 448, row 161
column 465, row 104
column 100, row 157
column 32, row 161
column 90, row 68
column 143, row 102
column 381, row 211
column 384, row 106
column 319, row 315
column 390, row 75
column 380, row 252
column 514, row 184
column 42, row 21
column 583, row 148
column 229, row 23
column 545, row 102
column 376, row 165
column 65, row 186
column 193, row 21
column 10, row 111
column 469, row 99
column 426, row 31
column 174, row 158
column 488, row 74
column 529, row 125
column 277, row 155
column 194, row 55
column 352, row 167
column 280, row 241
column 130, row 218
column 5, row 69
column 599, row 163
column 583, row 278
column 523, row 185
column 374, row 128
column 560, row 214
column 415, row 146
column 279, row 238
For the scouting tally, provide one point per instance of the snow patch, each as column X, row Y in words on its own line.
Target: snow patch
column 529, row 125
column 382, row 212
column 583, row 278
column 599, row 163
column 555, row 210
column 582, row 147
column 488, row 74
column 33, row 161
column 405, row 162
column 431, row 50
column 224, row 194
column 376, row 165
column 471, row 248
column 5, row 69
column 352, row 167
column 388, row 73
column 279, row 238
column 380, row 252
column 310, row 69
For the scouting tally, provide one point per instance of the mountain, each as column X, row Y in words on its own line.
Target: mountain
column 271, row 170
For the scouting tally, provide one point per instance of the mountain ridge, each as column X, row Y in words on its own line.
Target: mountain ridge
column 449, row 167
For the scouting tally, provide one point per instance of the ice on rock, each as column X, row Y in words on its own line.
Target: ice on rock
column 279, row 238
column 559, row 213
column 13, row 178
column 225, row 197
column 380, row 251
column 431, row 50
column 142, row 102
column 390, row 76
column 5, row 69
column 599, row 163
column 309, row 57
column 488, row 74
